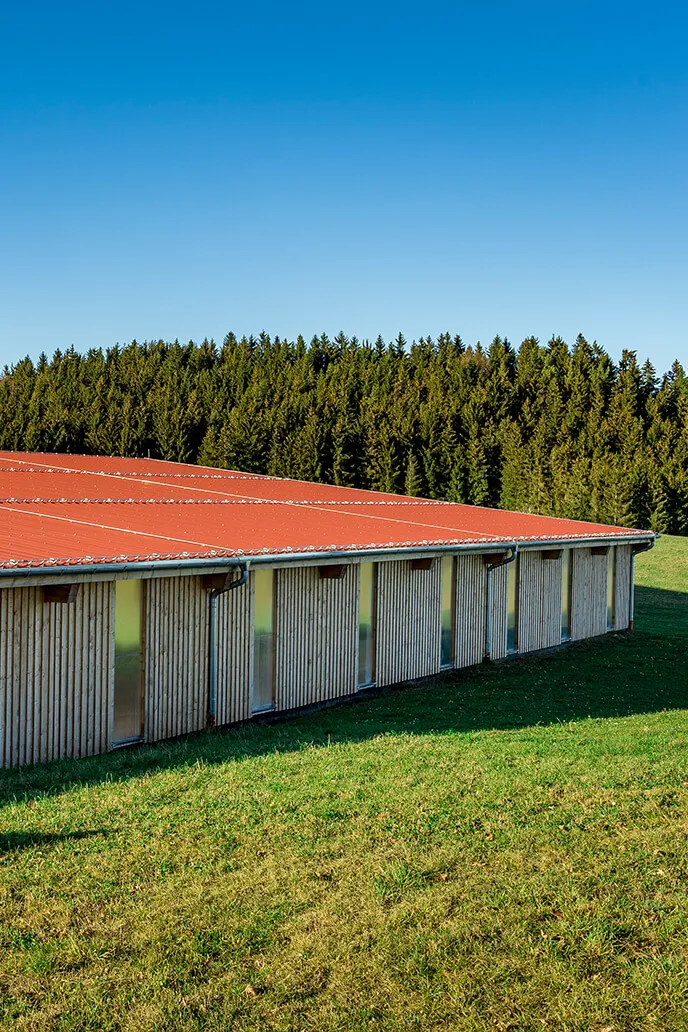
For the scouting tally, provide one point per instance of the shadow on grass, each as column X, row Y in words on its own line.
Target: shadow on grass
column 660, row 611
column 618, row 675
column 15, row 841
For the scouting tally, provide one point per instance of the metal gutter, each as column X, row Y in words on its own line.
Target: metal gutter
column 488, row 595
column 331, row 555
column 129, row 566
column 621, row 539
column 212, row 643
column 648, row 546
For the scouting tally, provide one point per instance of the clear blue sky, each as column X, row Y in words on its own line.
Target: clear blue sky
column 178, row 170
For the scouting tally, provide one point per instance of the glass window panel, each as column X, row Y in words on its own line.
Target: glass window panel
column 566, row 594
column 366, row 624
column 447, row 653
column 611, row 589
column 512, row 606
column 263, row 606
column 128, row 709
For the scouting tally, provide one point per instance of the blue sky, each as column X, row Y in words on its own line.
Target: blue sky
column 177, row 171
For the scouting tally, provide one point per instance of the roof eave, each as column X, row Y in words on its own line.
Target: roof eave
column 273, row 558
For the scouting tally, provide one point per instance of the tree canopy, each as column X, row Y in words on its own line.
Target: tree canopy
column 552, row 429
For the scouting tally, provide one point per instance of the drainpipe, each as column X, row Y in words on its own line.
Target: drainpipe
column 212, row 645
column 634, row 552
column 488, row 596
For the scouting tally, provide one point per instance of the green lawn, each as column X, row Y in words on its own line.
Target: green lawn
column 500, row 849
column 661, row 578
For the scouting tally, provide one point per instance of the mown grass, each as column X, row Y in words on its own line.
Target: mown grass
column 661, row 578
column 499, row 849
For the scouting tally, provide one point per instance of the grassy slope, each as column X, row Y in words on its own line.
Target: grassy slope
column 661, row 577
column 500, row 849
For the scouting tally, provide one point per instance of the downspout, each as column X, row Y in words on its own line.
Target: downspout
column 634, row 552
column 212, row 644
column 488, row 596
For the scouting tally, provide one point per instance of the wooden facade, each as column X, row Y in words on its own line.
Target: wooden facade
column 316, row 636
column 234, row 655
column 539, row 601
column 408, row 621
column 499, row 611
column 56, row 674
column 624, row 573
column 588, row 594
column 57, row 647
column 469, row 610
column 175, row 657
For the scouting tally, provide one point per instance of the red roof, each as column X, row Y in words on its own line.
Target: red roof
column 58, row 510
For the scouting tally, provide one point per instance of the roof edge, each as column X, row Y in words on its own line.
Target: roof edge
column 272, row 558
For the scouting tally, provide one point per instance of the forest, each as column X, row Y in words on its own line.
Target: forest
column 543, row 428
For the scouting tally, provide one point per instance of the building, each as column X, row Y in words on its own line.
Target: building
column 141, row 600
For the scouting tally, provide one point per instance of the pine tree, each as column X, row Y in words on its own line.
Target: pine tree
column 546, row 429
column 412, row 482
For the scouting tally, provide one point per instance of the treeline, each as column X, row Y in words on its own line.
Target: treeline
column 545, row 428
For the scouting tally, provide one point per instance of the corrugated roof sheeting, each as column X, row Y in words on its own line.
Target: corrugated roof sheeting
column 68, row 509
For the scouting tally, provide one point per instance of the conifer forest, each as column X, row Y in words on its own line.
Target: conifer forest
column 552, row 429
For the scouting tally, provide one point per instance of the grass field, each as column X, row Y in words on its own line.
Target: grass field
column 500, row 849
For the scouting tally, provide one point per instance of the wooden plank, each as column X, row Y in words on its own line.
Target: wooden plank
column 235, row 644
column 50, row 674
column 316, row 632
column 409, row 622
column 499, row 612
column 46, row 688
column 623, row 586
column 5, row 596
column 540, row 584
column 111, row 665
column 469, row 615
column 588, row 593
column 176, row 647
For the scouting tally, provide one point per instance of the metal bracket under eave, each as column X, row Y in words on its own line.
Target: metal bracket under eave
column 62, row 594
column 495, row 559
column 221, row 582
column 333, row 572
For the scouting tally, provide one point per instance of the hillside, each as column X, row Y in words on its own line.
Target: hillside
column 499, row 849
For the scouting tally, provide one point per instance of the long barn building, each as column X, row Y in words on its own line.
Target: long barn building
column 142, row 600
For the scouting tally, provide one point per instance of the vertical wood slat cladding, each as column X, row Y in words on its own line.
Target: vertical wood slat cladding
column 539, row 619
column 234, row 654
column 409, row 621
column 588, row 594
column 469, row 628
column 176, row 657
column 623, row 587
column 56, row 674
column 499, row 622
column 316, row 636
